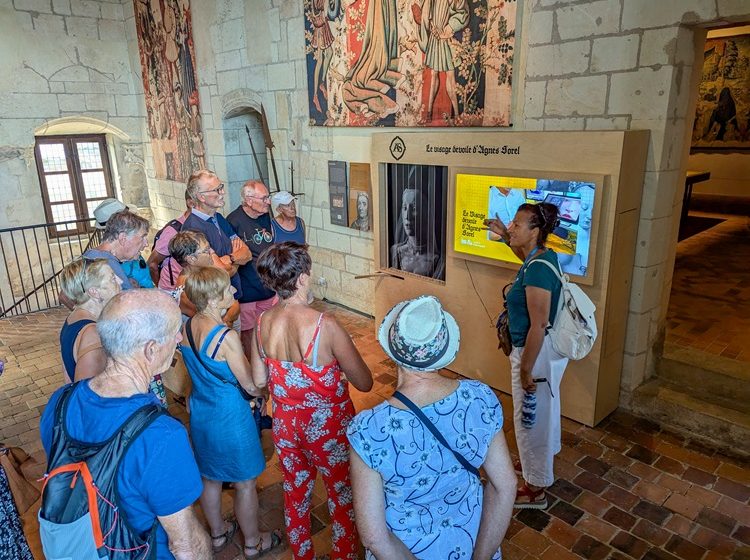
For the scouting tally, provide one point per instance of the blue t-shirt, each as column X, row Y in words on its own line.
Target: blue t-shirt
column 158, row 475
column 540, row 276
column 114, row 264
column 138, row 270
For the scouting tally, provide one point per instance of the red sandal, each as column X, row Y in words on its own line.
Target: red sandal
column 526, row 498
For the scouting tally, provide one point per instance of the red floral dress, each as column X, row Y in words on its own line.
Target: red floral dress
column 311, row 412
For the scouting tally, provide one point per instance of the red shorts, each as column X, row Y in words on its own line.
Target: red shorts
column 249, row 312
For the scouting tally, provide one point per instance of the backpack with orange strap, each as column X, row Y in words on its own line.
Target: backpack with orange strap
column 80, row 516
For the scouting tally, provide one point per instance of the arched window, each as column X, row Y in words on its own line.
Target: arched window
column 75, row 176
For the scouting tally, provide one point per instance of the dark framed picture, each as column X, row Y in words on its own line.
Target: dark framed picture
column 416, row 202
column 722, row 113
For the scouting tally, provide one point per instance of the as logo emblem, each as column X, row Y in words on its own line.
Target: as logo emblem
column 398, row 148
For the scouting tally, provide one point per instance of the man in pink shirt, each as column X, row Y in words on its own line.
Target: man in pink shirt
column 164, row 269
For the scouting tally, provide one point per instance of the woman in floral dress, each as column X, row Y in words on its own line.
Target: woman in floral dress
column 416, row 496
column 303, row 355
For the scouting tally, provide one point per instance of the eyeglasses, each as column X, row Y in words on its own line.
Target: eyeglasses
column 218, row 190
column 85, row 263
column 263, row 198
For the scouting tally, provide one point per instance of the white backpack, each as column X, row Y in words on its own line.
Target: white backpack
column 574, row 332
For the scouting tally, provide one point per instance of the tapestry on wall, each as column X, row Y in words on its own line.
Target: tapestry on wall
column 171, row 87
column 410, row 62
column 722, row 116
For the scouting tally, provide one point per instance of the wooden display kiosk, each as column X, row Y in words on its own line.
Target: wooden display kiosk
column 467, row 271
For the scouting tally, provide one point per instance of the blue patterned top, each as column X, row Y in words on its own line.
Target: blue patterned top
column 433, row 504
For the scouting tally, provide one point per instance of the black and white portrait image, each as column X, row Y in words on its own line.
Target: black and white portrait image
column 359, row 206
column 416, row 218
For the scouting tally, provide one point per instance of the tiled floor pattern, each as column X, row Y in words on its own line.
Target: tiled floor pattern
column 709, row 309
column 625, row 490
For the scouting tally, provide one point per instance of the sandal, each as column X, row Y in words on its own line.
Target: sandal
column 276, row 540
column 526, row 498
column 228, row 535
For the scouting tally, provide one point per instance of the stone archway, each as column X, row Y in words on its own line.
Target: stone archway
column 241, row 125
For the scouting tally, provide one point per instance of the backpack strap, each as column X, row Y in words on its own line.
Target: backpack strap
column 558, row 271
column 62, row 405
column 563, row 282
column 435, row 432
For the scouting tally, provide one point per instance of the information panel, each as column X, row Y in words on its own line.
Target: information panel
column 480, row 197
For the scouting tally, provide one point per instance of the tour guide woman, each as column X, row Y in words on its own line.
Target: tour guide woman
column 535, row 366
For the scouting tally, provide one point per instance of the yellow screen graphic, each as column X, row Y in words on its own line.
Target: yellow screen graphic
column 480, row 197
column 472, row 208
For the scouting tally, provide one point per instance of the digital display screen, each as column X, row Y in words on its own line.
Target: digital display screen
column 480, row 197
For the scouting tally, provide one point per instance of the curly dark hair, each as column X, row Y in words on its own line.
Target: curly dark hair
column 543, row 216
column 281, row 265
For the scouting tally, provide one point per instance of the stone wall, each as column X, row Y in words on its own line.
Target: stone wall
column 67, row 70
column 627, row 64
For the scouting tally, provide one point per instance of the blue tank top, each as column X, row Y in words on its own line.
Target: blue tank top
column 280, row 234
column 68, row 335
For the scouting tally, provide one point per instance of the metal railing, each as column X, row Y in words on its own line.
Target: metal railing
column 32, row 259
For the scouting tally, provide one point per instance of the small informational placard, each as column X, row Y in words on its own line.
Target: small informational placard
column 337, row 193
column 360, row 197
column 480, row 197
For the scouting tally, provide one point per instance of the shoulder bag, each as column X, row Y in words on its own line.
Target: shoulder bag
column 503, row 326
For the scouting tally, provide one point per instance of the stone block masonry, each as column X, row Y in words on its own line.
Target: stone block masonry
column 628, row 65
column 71, row 61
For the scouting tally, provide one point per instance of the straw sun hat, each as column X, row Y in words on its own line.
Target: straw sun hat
column 419, row 334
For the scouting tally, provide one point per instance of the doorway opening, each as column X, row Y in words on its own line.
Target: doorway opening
column 243, row 134
column 709, row 308
column 702, row 386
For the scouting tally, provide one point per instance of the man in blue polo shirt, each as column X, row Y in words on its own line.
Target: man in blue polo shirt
column 158, row 478
column 207, row 191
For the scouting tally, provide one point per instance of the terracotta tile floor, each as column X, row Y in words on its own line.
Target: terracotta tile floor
column 625, row 490
column 709, row 309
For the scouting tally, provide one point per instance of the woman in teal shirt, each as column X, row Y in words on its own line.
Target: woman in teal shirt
column 536, row 369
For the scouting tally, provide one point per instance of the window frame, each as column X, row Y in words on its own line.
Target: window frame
column 75, row 176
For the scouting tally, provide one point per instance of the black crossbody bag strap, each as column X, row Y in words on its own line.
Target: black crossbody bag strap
column 189, row 332
column 435, row 432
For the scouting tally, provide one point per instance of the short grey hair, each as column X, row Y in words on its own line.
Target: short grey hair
column 133, row 318
column 125, row 222
column 252, row 185
column 195, row 182
column 80, row 275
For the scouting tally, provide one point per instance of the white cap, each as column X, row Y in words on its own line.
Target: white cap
column 104, row 211
column 282, row 197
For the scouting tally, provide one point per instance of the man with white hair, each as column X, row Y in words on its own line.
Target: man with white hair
column 124, row 236
column 252, row 222
column 157, row 479
column 207, row 192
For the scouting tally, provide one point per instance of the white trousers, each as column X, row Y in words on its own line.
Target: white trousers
column 537, row 446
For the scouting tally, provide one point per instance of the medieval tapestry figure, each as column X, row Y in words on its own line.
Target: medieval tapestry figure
column 170, row 86
column 722, row 114
column 409, row 62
